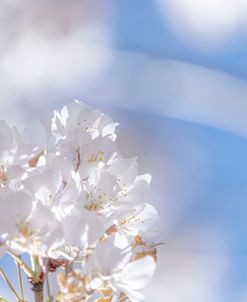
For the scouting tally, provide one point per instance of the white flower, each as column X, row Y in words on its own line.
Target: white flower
column 54, row 191
column 77, row 202
column 134, row 277
column 27, row 226
column 85, row 136
column 125, row 169
column 114, row 270
column 101, row 190
column 78, row 115
column 143, row 221
column 107, row 194
column 87, row 154
column 15, row 156
column 81, row 232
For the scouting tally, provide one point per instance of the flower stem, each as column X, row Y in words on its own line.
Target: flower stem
column 20, row 280
column 5, row 278
column 34, row 262
column 23, row 265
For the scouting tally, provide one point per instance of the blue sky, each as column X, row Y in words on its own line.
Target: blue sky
column 139, row 28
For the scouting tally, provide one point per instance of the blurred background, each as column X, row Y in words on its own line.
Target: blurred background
column 174, row 74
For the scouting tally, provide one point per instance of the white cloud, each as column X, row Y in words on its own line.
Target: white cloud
column 205, row 21
column 128, row 80
column 174, row 89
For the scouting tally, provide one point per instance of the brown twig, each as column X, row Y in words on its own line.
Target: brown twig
column 38, row 287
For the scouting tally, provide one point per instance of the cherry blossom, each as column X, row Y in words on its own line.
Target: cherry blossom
column 77, row 205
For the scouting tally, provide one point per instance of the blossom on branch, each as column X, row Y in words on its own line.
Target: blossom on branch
column 79, row 205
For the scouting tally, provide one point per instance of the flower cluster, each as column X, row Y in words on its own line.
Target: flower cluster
column 79, row 206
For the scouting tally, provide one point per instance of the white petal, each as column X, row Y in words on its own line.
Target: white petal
column 125, row 170
column 138, row 274
column 14, row 209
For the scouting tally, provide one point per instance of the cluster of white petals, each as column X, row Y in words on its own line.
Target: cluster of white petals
column 79, row 206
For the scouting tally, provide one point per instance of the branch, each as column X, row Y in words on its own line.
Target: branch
column 38, row 288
